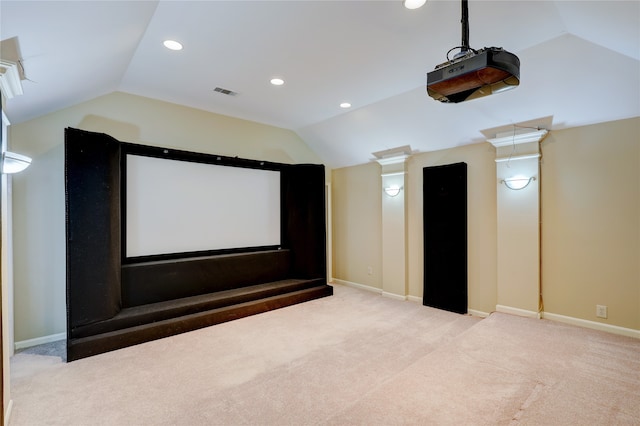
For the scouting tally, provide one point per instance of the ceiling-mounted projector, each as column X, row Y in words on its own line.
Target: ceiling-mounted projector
column 477, row 74
column 472, row 74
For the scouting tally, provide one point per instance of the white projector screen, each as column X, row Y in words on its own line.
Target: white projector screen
column 177, row 206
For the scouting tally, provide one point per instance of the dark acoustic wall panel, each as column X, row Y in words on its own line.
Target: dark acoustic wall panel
column 92, row 188
column 304, row 219
column 152, row 282
column 445, row 237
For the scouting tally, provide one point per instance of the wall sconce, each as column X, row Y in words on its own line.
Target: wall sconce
column 13, row 163
column 414, row 4
column 392, row 190
column 518, row 182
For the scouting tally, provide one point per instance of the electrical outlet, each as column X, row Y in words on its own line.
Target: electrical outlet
column 369, row 270
column 601, row 311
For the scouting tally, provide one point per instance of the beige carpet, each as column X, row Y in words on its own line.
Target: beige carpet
column 353, row 358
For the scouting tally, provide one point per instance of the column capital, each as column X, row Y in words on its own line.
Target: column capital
column 516, row 138
column 388, row 161
column 394, row 159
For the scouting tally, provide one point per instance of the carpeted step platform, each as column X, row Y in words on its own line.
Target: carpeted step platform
column 140, row 324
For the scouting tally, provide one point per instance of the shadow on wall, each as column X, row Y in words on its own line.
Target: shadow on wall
column 276, row 156
column 122, row 131
column 39, row 247
column 128, row 132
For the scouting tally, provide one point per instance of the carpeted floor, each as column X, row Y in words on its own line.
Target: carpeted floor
column 55, row 349
column 353, row 358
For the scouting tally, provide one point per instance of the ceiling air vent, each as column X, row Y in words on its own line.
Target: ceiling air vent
column 225, row 91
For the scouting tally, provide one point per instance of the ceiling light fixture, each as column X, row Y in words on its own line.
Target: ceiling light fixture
column 277, row 81
column 472, row 74
column 414, row 4
column 172, row 45
column 345, row 105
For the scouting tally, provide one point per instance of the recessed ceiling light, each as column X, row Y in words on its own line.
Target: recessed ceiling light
column 277, row 81
column 172, row 44
column 345, row 105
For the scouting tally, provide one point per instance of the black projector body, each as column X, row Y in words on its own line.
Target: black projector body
column 474, row 75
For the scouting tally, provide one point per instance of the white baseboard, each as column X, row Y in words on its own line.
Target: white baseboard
column 614, row 329
column 475, row 313
column 394, row 296
column 376, row 290
column 356, row 285
column 517, row 311
column 7, row 414
column 414, row 299
column 629, row 332
column 40, row 340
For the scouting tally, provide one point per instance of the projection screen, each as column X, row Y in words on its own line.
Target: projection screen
column 175, row 206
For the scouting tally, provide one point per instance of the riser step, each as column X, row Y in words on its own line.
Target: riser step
column 78, row 348
column 145, row 314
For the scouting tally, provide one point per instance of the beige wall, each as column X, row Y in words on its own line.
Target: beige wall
column 590, row 212
column 38, row 193
column 394, row 230
column 518, row 217
column 357, row 224
column 590, row 194
column 357, row 227
column 481, row 220
column 590, row 200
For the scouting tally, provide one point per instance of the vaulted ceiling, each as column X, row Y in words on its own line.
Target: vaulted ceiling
column 580, row 64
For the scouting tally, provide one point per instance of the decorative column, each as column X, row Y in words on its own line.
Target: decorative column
column 11, row 78
column 394, row 227
column 518, row 215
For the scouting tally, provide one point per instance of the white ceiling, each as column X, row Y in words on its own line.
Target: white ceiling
column 580, row 64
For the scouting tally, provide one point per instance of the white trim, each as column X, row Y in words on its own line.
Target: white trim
column 629, row 332
column 533, row 136
column 329, row 229
column 517, row 311
column 392, row 160
column 414, row 299
column 10, row 83
column 475, row 313
column 378, row 291
column 393, row 174
column 394, row 296
column 40, row 340
column 516, row 158
column 356, row 285
column 7, row 414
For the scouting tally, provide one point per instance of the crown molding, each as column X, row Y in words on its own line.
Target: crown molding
column 10, row 83
column 515, row 139
column 517, row 157
column 392, row 160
